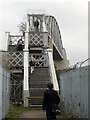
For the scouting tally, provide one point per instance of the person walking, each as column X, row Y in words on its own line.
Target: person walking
column 36, row 24
column 19, row 45
column 32, row 63
column 50, row 98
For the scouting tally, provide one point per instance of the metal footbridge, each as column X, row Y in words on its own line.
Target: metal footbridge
column 44, row 42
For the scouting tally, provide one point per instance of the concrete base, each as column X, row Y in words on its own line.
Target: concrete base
column 34, row 115
column 25, row 99
column 63, row 64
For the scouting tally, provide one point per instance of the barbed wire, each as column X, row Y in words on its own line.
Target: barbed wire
column 83, row 63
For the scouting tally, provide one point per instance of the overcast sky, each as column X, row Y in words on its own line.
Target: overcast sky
column 71, row 15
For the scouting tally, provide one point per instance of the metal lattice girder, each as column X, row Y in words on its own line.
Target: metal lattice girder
column 55, row 34
column 36, row 39
column 16, row 89
column 16, row 83
column 14, row 59
column 14, row 39
column 40, row 59
column 17, row 59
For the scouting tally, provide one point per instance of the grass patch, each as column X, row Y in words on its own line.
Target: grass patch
column 59, row 117
column 16, row 111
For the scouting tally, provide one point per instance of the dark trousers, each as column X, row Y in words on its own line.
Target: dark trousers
column 50, row 115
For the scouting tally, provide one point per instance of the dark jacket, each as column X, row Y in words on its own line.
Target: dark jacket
column 50, row 97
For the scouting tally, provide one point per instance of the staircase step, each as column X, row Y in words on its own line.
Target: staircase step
column 37, row 92
column 36, row 84
column 36, row 100
column 41, row 71
column 39, row 77
column 35, row 97
column 36, row 106
column 41, row 88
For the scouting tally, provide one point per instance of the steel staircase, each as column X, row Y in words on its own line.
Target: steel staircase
column 37, row 85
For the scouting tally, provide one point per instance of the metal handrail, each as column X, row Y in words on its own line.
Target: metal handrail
column 52, row 70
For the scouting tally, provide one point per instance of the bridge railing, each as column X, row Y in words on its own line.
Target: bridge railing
column 12, row 41
column 15, row 38
column 13, row 60
column 54, row 32
column 52, row 70
column 38, row 39
column 40, row 60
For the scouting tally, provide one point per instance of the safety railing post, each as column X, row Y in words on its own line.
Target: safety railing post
column 26, row 72
column 7, row 40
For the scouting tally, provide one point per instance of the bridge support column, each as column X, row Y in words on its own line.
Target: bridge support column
column 26, row 81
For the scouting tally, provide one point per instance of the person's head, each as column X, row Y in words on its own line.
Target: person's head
column 50, row 86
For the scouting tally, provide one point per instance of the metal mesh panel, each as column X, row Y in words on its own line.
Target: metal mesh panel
column 36, row 39
column 16, row 89
column 13, row 59
column 14, row 39
column 40, row 60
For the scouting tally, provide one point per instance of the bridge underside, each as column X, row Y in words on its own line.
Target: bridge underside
column 56, row 54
